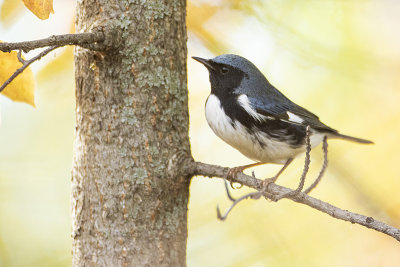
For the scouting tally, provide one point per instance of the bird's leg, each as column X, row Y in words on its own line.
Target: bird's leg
column 268, row 181
column 235, row 170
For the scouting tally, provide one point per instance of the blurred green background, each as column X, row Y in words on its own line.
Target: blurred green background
column 340, row 59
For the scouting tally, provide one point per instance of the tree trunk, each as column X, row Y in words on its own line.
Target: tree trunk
column 129, row 195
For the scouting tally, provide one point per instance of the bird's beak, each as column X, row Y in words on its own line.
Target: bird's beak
column 205, row 62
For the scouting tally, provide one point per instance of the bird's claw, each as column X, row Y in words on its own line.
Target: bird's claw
column 266, row 182
column 232, row 174
column 235, row 187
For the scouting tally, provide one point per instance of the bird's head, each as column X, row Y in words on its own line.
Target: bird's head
column 228, row 73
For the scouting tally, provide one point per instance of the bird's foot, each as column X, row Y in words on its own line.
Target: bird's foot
column 232, row 174
column 264, row 187
column 266, row 182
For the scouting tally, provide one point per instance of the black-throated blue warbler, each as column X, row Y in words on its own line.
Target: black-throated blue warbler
column 251, row 115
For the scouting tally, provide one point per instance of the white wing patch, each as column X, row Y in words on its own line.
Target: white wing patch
column 245, row 103
column 294, row 118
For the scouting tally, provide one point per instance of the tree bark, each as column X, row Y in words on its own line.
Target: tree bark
column 129, row 193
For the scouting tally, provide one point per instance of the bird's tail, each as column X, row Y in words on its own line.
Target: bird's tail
column 350, row 138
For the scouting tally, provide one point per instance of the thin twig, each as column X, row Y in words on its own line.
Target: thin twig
column 305, row 169
column 324, row 166
column 55, row 40
column 25, row 65
column 86, row 39
column 20, row 57
column 228, row 193
column 199, row 168
column 254, row 195
column 306, row 162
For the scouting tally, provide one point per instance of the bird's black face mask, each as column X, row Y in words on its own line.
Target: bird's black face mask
column 225, row 79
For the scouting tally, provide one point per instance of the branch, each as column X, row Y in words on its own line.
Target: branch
column 208, row 170
column 81, row 39
column 88, row 40
column 25, row 64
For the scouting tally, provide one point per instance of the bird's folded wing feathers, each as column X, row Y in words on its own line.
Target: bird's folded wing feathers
column 287, row 111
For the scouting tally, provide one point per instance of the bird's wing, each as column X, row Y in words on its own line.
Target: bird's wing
column 285, row 110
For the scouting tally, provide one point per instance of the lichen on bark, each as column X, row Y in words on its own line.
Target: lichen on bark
column 129, row 202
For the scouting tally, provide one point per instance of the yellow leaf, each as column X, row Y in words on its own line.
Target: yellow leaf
column 41, row 8
column 10, row 11
column 22, row 88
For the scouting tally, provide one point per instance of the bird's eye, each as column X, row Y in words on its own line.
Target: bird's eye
column 224, row 70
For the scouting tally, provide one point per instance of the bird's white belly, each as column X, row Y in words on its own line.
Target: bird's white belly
column 273, row 151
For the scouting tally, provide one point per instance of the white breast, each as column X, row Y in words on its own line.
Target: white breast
column 238, row 137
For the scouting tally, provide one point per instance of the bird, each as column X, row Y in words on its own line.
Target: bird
column 247, row 112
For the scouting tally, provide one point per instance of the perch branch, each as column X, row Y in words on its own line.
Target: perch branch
column 82, row 39
column 203, row 169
